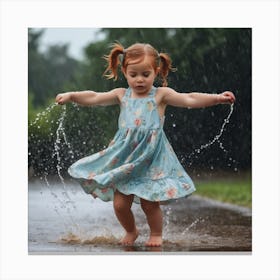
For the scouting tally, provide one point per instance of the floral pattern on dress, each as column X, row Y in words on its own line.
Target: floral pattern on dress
column 171, row 192
column 139, row 160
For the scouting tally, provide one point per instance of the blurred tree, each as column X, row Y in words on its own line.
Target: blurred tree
column 49, row 72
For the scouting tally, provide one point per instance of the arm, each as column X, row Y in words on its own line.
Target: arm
column 195, row 99
column 90, row 98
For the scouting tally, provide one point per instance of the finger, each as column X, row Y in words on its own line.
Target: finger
column 60, row 101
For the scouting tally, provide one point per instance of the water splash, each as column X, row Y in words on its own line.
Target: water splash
column 61, row 204
column 214, row 140
column 57, row 199
column 71, row 224
column 43, row 121
column 60, row 133
column 72, row 238
column 43, row 115
column 167, row 222
column 192, row 225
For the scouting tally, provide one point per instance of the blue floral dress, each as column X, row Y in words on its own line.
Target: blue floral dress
column 139, row 160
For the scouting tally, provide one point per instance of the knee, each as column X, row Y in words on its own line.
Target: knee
column 120, row 206
column 149, row 206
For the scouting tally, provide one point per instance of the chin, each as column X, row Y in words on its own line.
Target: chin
column 140, row 89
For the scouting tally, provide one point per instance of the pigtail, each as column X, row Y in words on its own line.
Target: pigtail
column 165, row 66
column 113, row 61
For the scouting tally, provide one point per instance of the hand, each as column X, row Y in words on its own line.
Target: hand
column 63, row 98
column 226, row 97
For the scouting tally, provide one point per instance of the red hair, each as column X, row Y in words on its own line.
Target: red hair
column 136, row 53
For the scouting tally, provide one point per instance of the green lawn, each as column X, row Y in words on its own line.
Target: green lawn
column 232, row 190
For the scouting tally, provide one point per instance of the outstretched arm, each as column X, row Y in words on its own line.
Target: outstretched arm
column 90, row 98
column 195, row 99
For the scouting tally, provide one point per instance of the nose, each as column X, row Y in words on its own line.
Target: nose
column 139, row 78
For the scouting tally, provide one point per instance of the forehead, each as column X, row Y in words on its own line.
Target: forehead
column 144, row 65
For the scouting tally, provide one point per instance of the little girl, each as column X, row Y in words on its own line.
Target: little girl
column 139, row 165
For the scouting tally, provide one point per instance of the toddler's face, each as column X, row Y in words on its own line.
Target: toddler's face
column 140, row 77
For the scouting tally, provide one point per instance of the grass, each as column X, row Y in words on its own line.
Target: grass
column 232, row 190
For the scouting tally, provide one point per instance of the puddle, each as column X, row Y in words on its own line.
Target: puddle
column 190, row 225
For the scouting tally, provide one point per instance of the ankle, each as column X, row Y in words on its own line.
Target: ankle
column 135, row 230
column 156, row 234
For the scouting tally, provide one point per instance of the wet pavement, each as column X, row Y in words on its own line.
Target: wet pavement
column 62, row 219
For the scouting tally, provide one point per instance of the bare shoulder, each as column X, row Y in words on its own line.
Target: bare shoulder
column 119, row 92
column 116, row 94
column 110, row 97
column 163, row 93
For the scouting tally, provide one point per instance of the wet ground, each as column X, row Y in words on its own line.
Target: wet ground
column 65, row 220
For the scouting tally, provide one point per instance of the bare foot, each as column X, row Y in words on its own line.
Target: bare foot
column 154, row 241
column 129, row 238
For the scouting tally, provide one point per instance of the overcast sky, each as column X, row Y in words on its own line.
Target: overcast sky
column 77, row 38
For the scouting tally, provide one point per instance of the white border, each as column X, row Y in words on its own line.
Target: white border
column 262, row 16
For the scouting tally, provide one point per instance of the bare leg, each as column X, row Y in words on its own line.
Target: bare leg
column 122, row 207
column 154, row 217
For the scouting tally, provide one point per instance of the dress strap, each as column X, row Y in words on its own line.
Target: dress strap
column 153, row 91
column 127, row 93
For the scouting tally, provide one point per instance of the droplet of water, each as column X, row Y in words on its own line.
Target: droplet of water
column 192, row 225
column 215, row 139
column 44, row 114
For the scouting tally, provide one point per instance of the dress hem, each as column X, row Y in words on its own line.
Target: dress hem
column 98, row 189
